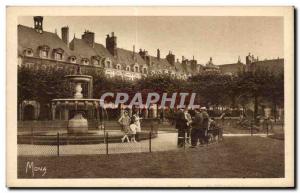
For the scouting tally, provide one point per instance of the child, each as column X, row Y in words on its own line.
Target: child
column 213, row 130
column 133, row 128
column 124, row 122
column 136, row 119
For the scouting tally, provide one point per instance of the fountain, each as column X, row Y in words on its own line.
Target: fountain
column 80, row 104
column 78, row 114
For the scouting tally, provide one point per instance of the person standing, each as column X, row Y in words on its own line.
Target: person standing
column 196, row 128
column 205, row 120
column 188, row 118
column 180, row 125
column 125, row 122
column 133, row 129
column 136, row 119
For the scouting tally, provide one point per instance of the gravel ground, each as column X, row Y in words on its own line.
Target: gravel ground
column 164, row 142
column 235, row 157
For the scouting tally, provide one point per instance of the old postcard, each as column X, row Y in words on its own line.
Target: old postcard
column 150, row 97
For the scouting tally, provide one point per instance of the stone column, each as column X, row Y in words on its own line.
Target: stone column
column 53, row 109
column 154, row 110
column 66, row 114
column 146, row 112
column 91, row 88
column 163, row 114
column 21, row 111
column 280, row 114
column 60, row 114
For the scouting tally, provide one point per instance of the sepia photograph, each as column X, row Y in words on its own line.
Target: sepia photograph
column 176, row 96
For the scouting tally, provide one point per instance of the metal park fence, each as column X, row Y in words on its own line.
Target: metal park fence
column 101, row 143
column 108, row 140
column 107, row 143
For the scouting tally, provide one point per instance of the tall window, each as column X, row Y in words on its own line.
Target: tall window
column 43, row 53
column 57, row 56
column 108, row 64
column 136, row 69
column 96, row 60
column 145, row 70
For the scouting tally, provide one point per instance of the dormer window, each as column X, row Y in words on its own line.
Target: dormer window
column 96, row 60
column 136, row 68
column 107, row 63
column 44, row 51
column 43, row 54
column 118, row 66
column 72, row 59
column 145, row 70
column 57, row 56
column 85, row 61
column 28, row 52
column 58, row 53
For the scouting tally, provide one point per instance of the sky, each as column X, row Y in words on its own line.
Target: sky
column 222, row 38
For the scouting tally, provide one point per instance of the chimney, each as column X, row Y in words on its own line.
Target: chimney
column 38, row 23
column 89, row 38
column 182, row 58
column 248, row 59
column 171, row 58
column 65, row 35
column 158, row 54
column 111, row 44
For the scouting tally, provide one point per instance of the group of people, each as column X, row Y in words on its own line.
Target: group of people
column 131, row 126
column 194, row 129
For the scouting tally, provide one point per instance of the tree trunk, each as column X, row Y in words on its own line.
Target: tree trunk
column 275, row 111
column 255, row 109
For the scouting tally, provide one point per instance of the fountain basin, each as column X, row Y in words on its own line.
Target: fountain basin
column 78, row 124
column 78, row 78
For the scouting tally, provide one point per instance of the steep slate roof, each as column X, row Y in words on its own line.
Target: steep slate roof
column 188, row 67
column 29, row 38
column 231, row 68
column 102, row 51
column 179, row 67
column 82, row 49
column 160, row 64
column 275, row 65
column 126, row 57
